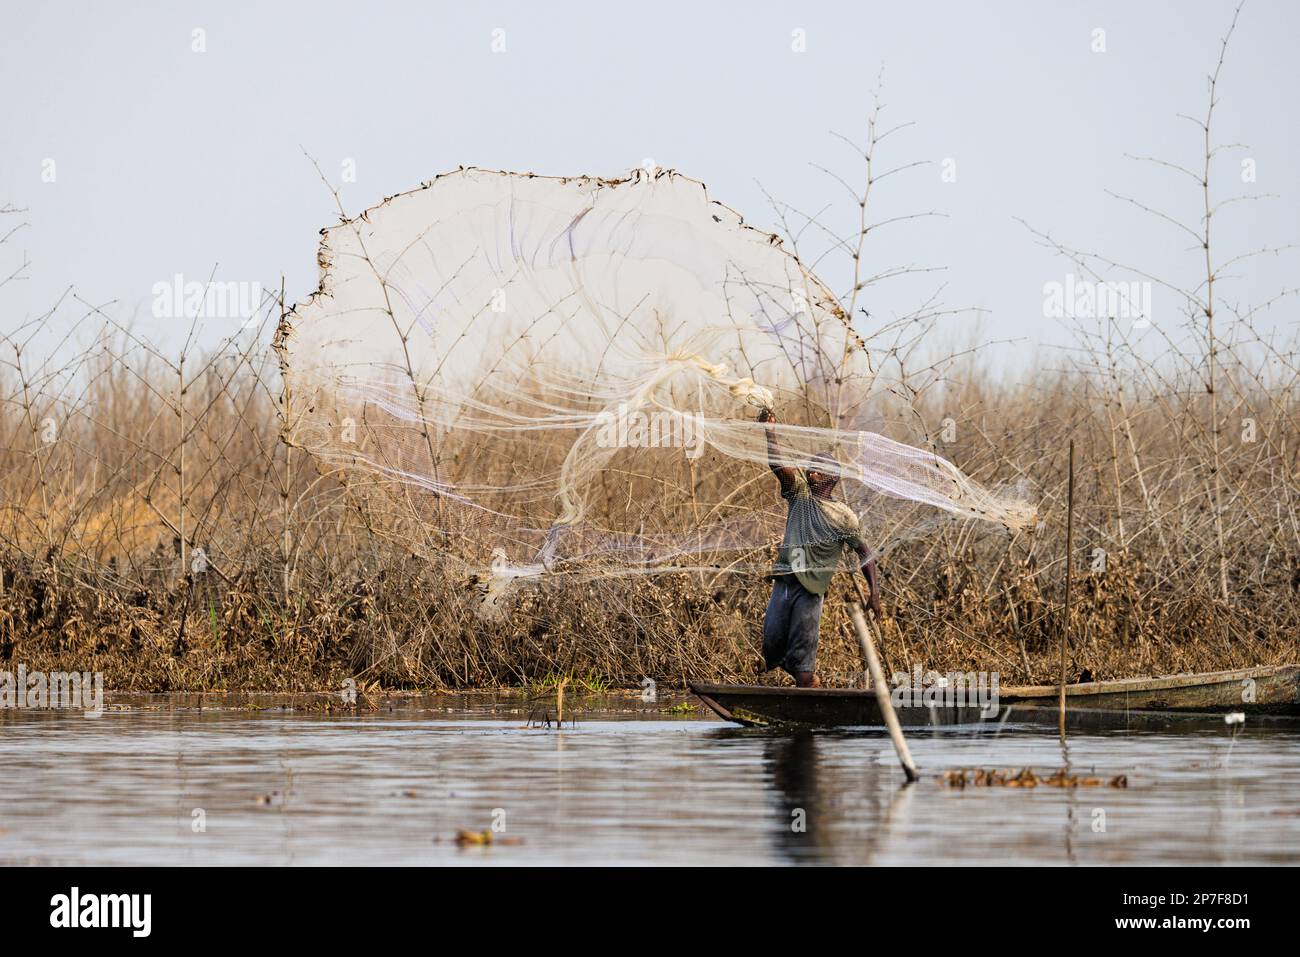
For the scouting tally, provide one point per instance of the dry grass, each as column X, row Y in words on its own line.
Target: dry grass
column 119, row 463
column 120, row 466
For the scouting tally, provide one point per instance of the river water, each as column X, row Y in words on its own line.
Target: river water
column 626, row 783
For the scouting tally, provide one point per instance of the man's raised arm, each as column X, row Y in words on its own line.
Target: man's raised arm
column 784, row 473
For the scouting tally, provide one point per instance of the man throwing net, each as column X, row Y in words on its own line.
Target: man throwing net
column 817, row 531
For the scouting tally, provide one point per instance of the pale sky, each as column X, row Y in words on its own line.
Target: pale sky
column 165, row 160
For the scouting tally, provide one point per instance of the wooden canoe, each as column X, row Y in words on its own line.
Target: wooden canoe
column 1273, row 690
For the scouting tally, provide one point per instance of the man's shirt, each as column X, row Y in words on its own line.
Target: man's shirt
column 817, row 530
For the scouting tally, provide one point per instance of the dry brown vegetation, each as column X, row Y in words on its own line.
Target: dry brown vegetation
column 120, row 467
column 154, row 526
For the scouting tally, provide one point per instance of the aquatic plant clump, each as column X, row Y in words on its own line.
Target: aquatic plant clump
column 560, row 377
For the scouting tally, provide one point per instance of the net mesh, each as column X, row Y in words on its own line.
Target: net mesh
column 559, row 377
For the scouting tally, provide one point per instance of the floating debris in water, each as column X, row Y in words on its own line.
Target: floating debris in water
column 1025, row 778
column 1234, row 717
column 484, row 838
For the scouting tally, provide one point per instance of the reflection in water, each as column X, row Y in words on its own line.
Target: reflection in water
column 239, row 787
column 802, row 831
column 826, row 817
column 1070, row 804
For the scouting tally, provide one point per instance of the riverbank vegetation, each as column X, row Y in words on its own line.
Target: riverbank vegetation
column 155, row 526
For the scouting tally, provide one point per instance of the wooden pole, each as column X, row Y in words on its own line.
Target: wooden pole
column 882, row 690
column 868, row 649
column 1069, row 574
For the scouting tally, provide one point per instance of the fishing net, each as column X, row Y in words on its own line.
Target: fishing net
column 560, row 377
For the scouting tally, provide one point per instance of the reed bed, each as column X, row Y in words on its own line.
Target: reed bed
column 153, row 526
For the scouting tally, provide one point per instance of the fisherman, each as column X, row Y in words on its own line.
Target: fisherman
column 817, row 530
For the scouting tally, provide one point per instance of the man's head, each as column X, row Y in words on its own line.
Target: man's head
column 823, row 473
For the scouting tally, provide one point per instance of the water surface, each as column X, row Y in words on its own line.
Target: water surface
column 625, row 785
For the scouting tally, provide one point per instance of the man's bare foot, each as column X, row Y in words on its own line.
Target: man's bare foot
column 807, row 679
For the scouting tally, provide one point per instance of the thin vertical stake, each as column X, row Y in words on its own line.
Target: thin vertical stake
column 1069, row 574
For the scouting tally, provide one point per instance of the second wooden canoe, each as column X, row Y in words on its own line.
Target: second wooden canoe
column 1272, row 690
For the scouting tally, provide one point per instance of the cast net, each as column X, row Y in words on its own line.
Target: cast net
column 560, row 377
